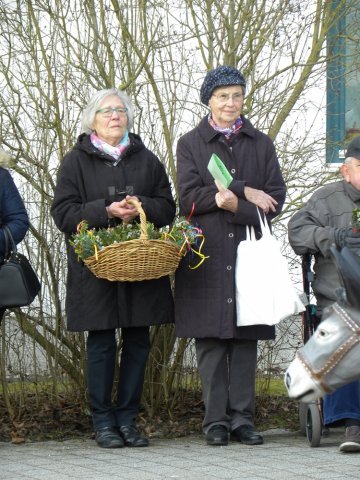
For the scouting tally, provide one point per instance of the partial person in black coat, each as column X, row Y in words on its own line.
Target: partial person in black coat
column 12, row 210
column 205, row 306
column 107, row 167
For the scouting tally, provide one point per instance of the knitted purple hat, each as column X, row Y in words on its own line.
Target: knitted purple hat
column 220, row 77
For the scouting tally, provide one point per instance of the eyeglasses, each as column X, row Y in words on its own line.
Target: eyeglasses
column 225, row 97
column 108, row 111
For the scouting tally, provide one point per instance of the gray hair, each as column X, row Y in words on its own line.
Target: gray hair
column 4, row 159
column 95, row 102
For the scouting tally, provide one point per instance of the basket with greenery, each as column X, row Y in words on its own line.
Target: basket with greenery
column 136, row 251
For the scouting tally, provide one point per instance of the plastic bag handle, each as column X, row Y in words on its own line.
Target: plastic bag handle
column 265, row 229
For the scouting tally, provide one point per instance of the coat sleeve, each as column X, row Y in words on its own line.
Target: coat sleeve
column 70, row 206
column 309, row 230
column 13, row 211
column 191, row 189
column 273, row 184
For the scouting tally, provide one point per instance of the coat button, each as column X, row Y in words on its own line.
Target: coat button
column 229, row 267
column 233, row 170
column 229, row 300
column 231, row 235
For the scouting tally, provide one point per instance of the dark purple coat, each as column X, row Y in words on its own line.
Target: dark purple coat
column 205, row 297
column 87, row 183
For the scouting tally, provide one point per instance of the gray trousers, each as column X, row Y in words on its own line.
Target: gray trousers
column 227, row 370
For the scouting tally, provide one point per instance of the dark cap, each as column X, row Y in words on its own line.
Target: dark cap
column 220, row 77
column 353, row 149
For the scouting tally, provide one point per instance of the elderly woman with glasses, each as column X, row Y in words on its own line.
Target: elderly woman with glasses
column 205, row 307
column 106, row 168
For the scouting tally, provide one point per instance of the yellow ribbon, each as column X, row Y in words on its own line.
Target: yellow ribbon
column 198, row 252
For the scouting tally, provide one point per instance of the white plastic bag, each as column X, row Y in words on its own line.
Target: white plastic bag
column 264, row 290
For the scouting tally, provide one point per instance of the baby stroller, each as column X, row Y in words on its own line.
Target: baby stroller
column 310, row 414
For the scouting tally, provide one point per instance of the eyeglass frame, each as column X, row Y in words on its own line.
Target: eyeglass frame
column 118, row 110
column 236, row 97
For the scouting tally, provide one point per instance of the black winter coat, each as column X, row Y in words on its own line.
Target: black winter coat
column 87, row 182
column 205, row 297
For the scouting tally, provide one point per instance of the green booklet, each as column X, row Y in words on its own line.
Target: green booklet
column 219, row 171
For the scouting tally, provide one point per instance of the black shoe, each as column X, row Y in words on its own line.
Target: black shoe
column 132, row 437
column 108, row 437
column 247, row 434
column 217, row 435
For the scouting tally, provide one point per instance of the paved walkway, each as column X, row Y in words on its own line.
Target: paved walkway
column 284, row 455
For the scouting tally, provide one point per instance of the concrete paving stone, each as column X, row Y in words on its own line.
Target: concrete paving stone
column 284, row 456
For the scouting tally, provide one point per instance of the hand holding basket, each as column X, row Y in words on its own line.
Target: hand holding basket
column 135, row 260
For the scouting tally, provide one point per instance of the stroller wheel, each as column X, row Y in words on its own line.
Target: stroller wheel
column 313, row 425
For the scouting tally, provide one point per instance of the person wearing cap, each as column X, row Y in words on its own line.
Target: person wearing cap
column 205, row 307
column 323, row 221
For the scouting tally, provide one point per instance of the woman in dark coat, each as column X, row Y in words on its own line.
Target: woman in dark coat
column 205, row 297
column 107, row 167
column 12, row 210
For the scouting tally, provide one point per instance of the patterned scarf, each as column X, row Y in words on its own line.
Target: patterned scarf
column 228, row 131
column 116, row 151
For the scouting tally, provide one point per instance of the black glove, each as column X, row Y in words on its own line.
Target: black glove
column 345, row 237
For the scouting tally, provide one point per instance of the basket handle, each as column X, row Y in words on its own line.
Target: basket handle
column 143, row 226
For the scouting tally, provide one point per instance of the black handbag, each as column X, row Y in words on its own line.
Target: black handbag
column 19, row 284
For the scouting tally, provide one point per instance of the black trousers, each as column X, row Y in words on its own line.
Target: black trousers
column 227, row 370
column 101, row 361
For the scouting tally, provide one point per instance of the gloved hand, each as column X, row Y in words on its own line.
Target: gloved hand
column 345, row 237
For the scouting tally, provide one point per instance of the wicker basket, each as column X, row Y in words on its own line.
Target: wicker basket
column 135, row 260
